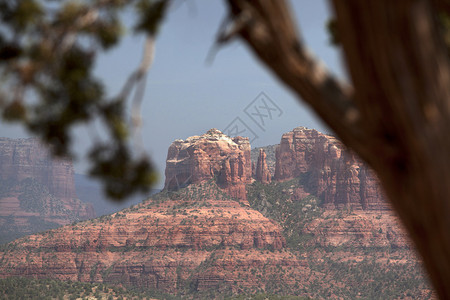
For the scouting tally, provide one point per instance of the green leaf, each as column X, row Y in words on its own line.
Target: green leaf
column 122, row 175
column 26, row 13
column 152, row 14
column 333, row 31
column 15, row 111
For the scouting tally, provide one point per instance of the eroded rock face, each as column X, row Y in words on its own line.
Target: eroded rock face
column 36, row 192
column 26, row 158
column 168, row 246
column 328, row 170
column 193, row 237
column 358, row 229
column 262, row 172
column 212, row 156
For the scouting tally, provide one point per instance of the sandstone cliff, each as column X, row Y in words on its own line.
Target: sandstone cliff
column 198, row 237
column 262, row 172
column 323, row 191
column 36, row 191
column 26, row 158
column 211, row 156
column 361, row 229
column 328, row 170
column 209, row 248
column 168, row 243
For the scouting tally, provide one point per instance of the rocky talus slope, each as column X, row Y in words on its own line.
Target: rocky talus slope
column 36, row 192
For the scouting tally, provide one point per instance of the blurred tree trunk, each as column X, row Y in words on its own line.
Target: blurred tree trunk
column 396, row 115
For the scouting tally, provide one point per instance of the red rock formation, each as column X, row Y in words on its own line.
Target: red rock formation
column 36, row 191
column 262, row 171
column 358, row 229
column 212, row 156
column 328, row 170
column 161, row 244
column 26, row 158
column 197, row 239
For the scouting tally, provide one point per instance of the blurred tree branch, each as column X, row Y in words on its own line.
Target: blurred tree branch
column 47, row 54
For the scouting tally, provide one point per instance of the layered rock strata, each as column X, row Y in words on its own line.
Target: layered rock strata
column 212, row 156
column 328, row 170
column 27, row 158
column 163, row 245
column 194, row 239
column 36, row 191
column 363, row 229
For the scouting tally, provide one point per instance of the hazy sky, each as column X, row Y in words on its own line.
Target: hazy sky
column 186, row 96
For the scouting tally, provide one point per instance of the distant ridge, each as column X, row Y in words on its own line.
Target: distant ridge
column 37, row 192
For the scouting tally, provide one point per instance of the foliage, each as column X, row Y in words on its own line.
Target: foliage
column 29, row 288
column 264, row 296
column 367, row 279
column 47, row 55
column 330, row 274
column 274, row 201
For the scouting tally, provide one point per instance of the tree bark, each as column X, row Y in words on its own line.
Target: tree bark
column 396, row 116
